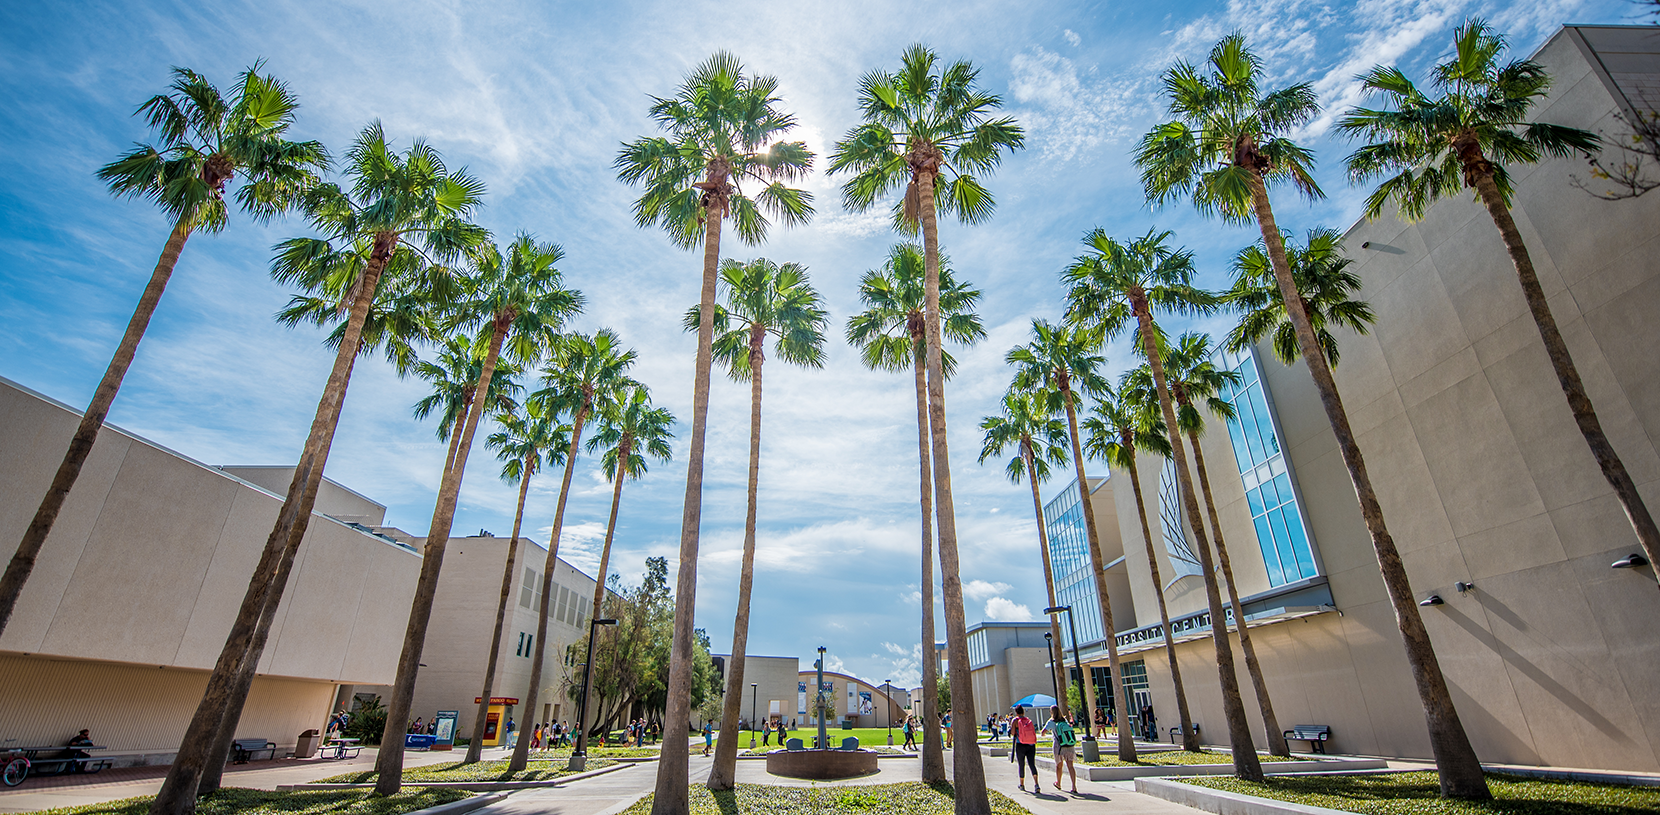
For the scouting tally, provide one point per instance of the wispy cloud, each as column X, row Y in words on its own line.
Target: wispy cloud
column 1005, row 610
column 1068, row 112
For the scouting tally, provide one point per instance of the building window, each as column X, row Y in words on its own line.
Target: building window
column 530, row 594
column 1136, row 688
column 1183, row 561
column 1276, row 512
column 1101, row 681
column 520, row 651
column 530, row 644
column 978, row 652
column 1070, row 562
column 564, row 604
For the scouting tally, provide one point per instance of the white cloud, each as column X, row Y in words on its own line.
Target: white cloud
column 1005, row 610
column 1066, row 113
column 1072, row 37
column 981, row 589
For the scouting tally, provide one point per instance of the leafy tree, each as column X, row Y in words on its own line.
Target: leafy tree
column 397, row 199
column 1028, row 422
column 763, row 300
column 206, row 138
column 584, row 372
column 890, row 333
column 724, row 127
column 1429, row 147
column 1113, row 284
column 923, row 124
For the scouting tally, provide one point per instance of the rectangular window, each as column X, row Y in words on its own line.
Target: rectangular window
column 564, row 603
column 1282, row 537
column 530, row 644
column 520, row 650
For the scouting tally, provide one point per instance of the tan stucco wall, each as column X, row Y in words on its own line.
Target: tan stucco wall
column 1483, row 478
column 884, row 712
column 775, row 679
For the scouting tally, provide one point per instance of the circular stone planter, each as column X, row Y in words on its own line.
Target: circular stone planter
column 821, row 765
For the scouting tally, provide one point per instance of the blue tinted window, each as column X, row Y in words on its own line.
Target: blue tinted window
column 1287, row 552
column 1270, row 558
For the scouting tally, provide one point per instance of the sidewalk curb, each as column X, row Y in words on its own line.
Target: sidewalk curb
column 1328, row 766
column 473, row 786
column 463, row 806
column 1224, row 803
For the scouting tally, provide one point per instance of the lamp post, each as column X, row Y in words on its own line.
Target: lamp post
column 1049, row 640
column 1092, row 750
column 754, row 696
column 887, row 693
column 818, row 702
column 579, row 753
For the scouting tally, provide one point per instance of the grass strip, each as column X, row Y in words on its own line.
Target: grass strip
column 910, row 798
column 480, row 771
column 1171, row 758
column 238, row 801
column 1419, row 793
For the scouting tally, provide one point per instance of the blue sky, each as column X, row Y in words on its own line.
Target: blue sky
column 535, row 98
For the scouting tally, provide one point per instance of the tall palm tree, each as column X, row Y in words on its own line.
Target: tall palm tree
column 1227, row 144
column 529, row 437
column 405, row 199
column 516, row 302
column 724, row 127
column 763, row 299
column 1112, row 284
column 1028, row 422
column 454, row 375
column 206, row 138
column 584, row 371
column 890, row 335
column 924, row 124
column 1117, row 429
column 1325, row 287
column 629, row 429
column 1194, row 378
column 1431, row 147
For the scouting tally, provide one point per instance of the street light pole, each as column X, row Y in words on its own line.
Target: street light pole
column 887, row 693
column 1092, row 750
column 754, row 695
column 579, row 753
column 818, row 699
column 1049, row 640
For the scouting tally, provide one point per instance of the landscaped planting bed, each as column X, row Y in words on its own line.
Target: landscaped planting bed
column 237, row 801
column 1171, row 758
column 1419, row 793
column 480, row 771
column 913, row 798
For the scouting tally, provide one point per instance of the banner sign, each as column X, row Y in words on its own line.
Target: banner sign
column 445, row 732
column 866, row 707
column 801, row 698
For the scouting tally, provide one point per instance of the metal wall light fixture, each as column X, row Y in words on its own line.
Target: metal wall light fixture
column 1631, row 561
column 1432, row 600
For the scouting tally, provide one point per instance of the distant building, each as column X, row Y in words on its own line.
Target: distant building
column 857, row 702
column 1009, row 661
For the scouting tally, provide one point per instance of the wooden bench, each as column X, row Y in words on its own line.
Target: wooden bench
column 245, row 750
column 1315, row 734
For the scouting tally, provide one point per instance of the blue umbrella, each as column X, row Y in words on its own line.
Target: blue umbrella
column 1036, row 700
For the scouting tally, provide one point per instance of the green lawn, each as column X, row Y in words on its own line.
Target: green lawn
column 913, row 798
column 868, row 737
column 1419, row 794
column 481, row 771
column 237, row 801
column 1170, row 758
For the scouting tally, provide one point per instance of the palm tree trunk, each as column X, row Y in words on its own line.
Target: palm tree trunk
column 1259, row 685
column 1460, row 770
column 455, row 432
column 1146, row 538
column 1057, row 665
column 521, row 750
column 724, row 774
column 1190, row 739
column 1567, row 374
column 933, row 747
column 178, row 792
column 671, row 791
column 968, row 774
column 475, row 745
column 389, row 762
column 80, row 445
column 1098, row 565
column 1245, row 763
column 624, row 448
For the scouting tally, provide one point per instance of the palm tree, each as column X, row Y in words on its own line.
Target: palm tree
column 1194, row 378
column 396, row 199
column 628, row 426
column 1432, row 147
column 206, row 138
column 454, row 375
column 763, row 299
column 1325, row 287
column 518, row 303
column 724, row 128
column 922, row 124
column 1226, row 146
column 529, row 436
column 583, row 372
column 1112, row 284
column 1029, row 423
column 889, row 334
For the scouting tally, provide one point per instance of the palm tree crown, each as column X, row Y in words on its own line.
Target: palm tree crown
column 530, row 438
column 1226, row 129
column 1194, row 381
column 1431, row 147
column 1326, row 286
column 1112, row 277
column 1119, row 426
column 889, row 332
column 584, row 370
column 629, row 415
column 1059, row 361
column 766, row 298
column 724, row 128
column 519, row 296
column 1029, row 422
column 925, row 121
column 206, row 138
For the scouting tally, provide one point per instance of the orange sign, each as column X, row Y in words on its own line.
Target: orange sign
column 497, row 700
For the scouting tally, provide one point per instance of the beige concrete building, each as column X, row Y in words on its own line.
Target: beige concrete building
column 774, row 696
column 137, row 586
column 1010, row 661
column 857, row 701
column 1494, row 501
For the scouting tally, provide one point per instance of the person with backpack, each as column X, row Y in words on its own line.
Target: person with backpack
column 1025, row 749
column 1065, row 747
column 910, row 733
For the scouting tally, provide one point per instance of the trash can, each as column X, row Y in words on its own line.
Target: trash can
column 306, row 747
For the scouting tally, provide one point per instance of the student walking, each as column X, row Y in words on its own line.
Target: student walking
column 910, row 733
column 1025, row 749
column 1065, row 747
column 708, row 737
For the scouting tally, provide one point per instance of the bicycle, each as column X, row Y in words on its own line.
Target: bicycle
column 16, row 765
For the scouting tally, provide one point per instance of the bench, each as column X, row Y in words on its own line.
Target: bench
column 1315, row 734
column 246, row 749
column 850, row 743
column 793, row 744
column 1176, row 732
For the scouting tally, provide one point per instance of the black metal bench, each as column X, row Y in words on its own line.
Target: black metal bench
column 1315, row 734
column 244, row 750
column 1176, row 732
